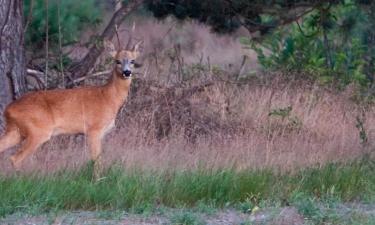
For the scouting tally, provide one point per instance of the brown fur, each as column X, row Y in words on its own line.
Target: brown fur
column 37, row 116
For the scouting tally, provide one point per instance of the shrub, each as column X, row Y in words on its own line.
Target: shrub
column 327, row 46
column 72, row 16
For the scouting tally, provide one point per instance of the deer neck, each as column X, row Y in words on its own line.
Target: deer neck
column 117, row 89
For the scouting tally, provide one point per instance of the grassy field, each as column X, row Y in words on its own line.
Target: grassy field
column 139, row 191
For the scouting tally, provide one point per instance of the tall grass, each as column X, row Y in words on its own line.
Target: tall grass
column 225, row 126
column 126, row 189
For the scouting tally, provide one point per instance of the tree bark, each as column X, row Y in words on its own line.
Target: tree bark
column 12, row 55
column 88, row 62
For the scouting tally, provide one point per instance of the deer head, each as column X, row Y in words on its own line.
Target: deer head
column 124, row 59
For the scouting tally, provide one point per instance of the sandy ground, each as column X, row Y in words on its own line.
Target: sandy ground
column 287, row 215
column 342, row 214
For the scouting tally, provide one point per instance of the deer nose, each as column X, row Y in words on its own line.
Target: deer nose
column 127, row 73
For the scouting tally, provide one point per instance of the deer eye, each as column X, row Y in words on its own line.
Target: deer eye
column 118, row 61
column 132, row 61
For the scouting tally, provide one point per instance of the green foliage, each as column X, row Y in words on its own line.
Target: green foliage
column 315, row 211
column 185, row 218
column 282, row 112
column 361, row 130
column 283, row 121
column 328, row 46
column 73, row 17
column 360, row 219
column 246, row 206
column 227, row 16
column 142, row 190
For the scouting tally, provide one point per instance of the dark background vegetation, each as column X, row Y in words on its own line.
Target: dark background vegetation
column 328, row 41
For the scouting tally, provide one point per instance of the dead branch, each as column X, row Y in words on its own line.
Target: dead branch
column 176, row 92
column 36, row 75
column 29, row 16
column 87, row 63
column 101, row 73
column 46, row 47
column 34, row 72
column 60, row 44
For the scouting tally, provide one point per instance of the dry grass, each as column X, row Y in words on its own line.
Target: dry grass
column 224, row 125
column 274, row 124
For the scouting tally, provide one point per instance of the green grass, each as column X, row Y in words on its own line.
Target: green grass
column 185, row 218
column 141, row 190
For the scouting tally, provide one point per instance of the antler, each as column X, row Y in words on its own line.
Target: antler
column 118, row 37
column 130, row 37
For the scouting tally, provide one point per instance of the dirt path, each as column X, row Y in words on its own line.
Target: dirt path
column 339, row 214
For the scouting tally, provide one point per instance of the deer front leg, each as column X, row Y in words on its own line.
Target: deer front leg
column 95, row 144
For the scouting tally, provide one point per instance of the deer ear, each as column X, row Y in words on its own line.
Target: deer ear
column 136, row 46
column 110, row 48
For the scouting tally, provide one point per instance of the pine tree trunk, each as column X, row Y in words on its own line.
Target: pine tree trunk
column 12, row 55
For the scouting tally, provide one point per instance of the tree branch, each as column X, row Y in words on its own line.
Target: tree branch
column 29, row 16
column 87, row 63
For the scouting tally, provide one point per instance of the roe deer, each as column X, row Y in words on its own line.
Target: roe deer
column 37, row 116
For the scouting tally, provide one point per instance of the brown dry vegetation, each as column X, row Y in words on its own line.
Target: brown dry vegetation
column 172, row 120
column 223, row 125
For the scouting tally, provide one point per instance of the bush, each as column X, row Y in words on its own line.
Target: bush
column 327, row 46
column 72, row 15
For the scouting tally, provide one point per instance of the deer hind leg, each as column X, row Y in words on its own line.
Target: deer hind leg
column 30, row 145
column 10, row 138
column 95, row 145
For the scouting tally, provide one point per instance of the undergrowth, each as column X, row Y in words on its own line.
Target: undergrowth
column 135, row 189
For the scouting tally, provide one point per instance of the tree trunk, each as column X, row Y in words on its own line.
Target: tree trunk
column 12, row 55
